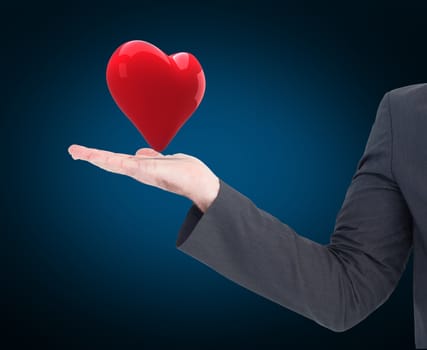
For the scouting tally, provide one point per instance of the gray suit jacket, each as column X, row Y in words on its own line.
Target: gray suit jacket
column 382, row 219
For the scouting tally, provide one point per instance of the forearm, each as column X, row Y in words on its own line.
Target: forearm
column 255, row 250
column 332, row 285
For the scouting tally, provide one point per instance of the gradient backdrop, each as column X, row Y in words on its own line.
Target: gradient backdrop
column 89, row 257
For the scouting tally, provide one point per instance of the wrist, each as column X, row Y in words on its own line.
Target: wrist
column 208, row 194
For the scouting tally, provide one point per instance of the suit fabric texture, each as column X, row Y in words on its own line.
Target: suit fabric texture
column 382, row 221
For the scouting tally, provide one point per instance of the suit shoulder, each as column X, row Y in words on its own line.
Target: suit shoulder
column 408, row 102
column 407, row 93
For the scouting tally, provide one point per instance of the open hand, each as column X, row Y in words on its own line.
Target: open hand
column 178, row 173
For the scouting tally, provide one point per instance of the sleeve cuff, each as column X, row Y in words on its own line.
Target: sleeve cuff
column 197, row 225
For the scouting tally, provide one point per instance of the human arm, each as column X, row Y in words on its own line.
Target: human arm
column 338, row 284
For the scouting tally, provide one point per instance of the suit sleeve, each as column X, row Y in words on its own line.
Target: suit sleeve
column 337, row 285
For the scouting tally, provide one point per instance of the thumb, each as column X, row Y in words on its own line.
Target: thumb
column 148, row 152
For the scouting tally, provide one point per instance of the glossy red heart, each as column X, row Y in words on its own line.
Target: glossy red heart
column 158, row 93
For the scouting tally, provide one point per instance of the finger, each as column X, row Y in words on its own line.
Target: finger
column 148, row 152
column 119, row 163
column 82, row 152
column 75, row 151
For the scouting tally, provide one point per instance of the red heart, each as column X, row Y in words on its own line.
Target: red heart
column 158, row 93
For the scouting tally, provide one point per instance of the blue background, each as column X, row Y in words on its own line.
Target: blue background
column 89, row 257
